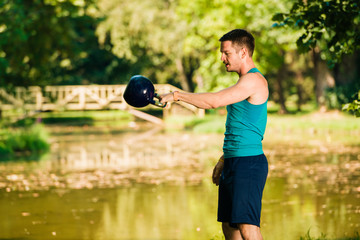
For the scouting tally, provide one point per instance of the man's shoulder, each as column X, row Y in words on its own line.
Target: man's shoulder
column 253, row 78
column 257, row 85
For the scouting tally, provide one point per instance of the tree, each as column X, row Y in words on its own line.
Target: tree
column 145, row 33
column 331, row 29
column 178, row 42
column 52, row 42
column 333, row 25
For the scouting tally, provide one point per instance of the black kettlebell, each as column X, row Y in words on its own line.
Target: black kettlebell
column 140, row 92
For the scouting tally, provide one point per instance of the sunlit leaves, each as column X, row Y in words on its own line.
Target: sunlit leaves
column 146, row 33
column 354, row 106
column 333, row 25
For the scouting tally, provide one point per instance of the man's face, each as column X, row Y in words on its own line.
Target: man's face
column 230, row 57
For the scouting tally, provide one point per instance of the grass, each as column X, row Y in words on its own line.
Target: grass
column 90, row 118
column 215, row 123
column 28, row 141
column 323, row 237
column 71, row 118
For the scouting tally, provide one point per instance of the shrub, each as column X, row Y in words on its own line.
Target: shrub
column 24, row 141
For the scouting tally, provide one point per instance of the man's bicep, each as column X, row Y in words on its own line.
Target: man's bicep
column 234, row 94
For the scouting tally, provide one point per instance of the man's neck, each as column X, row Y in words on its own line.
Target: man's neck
column 246, row 67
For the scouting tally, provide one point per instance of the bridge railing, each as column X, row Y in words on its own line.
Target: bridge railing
column 78, row 97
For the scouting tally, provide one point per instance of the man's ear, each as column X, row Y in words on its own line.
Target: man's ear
column 243, row 52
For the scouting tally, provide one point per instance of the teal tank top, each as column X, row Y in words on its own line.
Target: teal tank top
column 245, row 128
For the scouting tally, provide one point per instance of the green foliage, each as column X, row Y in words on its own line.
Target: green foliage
column 332, row 25
column 353, row 106
column 144, row 33
column 338, row 96
column 46, row 42
column 202, row 41
column 53, row 42
column 24, row 141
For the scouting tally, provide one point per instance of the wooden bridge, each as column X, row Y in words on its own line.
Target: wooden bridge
column 82, row 97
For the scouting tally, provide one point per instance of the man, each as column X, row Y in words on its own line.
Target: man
column 242, row 170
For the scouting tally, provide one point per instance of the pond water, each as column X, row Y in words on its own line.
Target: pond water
column 149, row 184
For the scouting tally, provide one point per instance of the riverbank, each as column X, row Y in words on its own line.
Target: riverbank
column 335, row 128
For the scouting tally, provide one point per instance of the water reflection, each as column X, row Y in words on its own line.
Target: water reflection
column 315, row 191
column 107, row 160
column 297, row 210
column 162, row 212
column 167, row 212
column 156, row 185
column 139, row 212
column 147, row 150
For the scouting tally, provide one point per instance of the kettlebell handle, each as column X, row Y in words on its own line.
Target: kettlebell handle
column 157, row 102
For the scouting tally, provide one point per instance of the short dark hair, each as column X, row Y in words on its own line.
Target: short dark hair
column 241, row 38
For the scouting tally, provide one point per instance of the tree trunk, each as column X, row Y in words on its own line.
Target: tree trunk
column 185, row 79
column 323, row 79
column 280, row 89
column 299, row 89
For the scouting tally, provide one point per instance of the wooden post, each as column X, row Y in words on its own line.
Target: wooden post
column 38, row 97
column 82, row 98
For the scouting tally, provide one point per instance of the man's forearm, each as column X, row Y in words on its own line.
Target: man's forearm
column 200, row 100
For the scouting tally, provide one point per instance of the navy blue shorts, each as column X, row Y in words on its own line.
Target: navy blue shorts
column 241, row 187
